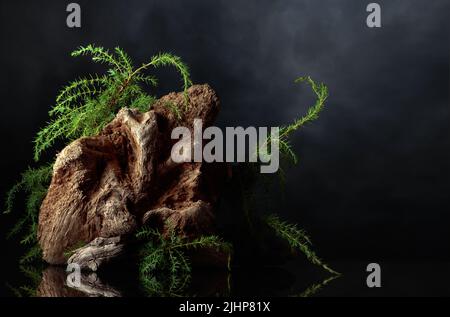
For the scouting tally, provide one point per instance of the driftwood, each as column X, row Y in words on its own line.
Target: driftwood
column 98, row 251
column 107, row 186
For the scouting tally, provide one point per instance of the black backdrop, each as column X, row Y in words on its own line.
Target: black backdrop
column 373, row 177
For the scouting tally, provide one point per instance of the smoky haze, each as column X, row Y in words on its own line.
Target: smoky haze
column 373, row 177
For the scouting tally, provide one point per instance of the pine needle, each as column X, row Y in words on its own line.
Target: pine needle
column 297, row 239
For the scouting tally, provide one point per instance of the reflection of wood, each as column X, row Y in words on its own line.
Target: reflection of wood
column 54, row 284
column 98, row 251
column 108, row 185
column 93, row 287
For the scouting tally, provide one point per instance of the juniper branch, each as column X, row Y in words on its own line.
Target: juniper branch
column 297, row 239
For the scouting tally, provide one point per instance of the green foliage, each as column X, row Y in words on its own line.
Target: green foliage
column 297, row 239
column 167, row 255
column 87, row 104
column 83, row 108
column 282, row 141
column 165, row 59
column 321, row 92
column 172, row 107
column 34, row 275
column 34, row 253
column 34, row 184
column 288, row 157
column 165, row 285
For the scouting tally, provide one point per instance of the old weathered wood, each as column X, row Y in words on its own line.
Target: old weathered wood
column 108, row 185
column 98, row 251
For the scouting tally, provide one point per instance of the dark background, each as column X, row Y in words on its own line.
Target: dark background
column 373, row 179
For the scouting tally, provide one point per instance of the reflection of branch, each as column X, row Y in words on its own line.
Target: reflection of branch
column 54, row 284
column 203, row 283
column 172, row 286
column 315, row 288
column 33, row 275
column 93, row 287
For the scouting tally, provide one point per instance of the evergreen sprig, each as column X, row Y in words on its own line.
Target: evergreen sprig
column 34, row 183
column 321, row 92
column 282, row 141
column 297, row 239
column 87, row 104
column 167, row 255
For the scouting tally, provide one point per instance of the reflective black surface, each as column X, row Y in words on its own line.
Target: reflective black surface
column 297, row 279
